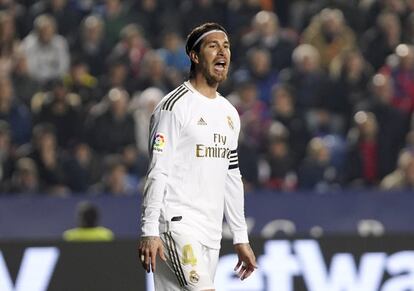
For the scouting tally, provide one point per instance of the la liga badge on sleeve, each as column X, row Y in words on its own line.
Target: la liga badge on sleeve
column 158, row 144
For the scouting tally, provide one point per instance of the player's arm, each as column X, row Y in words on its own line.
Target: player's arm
column 164, row 131
column 234, row 213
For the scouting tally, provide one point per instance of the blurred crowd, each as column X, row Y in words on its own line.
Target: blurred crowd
column 325, row 91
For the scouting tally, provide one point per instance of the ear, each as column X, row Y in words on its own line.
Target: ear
column 194, row 57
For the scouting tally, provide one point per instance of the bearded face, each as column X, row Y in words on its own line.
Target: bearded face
column 214, row 57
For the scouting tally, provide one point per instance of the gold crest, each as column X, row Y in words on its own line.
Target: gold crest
column 194, row 277
column 230, row 122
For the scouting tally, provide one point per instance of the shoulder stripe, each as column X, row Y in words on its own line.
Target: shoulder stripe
column 176, row 99
column 188, row 88
column 233, row 152
column 177, row 91
column 235, row 166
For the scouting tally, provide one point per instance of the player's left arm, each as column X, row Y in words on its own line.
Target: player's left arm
column 234, row 212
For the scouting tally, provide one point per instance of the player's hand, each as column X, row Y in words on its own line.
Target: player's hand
column 148, row 248
column 247, row 261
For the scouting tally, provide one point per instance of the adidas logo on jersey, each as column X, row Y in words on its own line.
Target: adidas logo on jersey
column 201, row 122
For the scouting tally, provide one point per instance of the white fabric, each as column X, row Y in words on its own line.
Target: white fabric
column 166, row 276
column 46, row 61
column 185, row 177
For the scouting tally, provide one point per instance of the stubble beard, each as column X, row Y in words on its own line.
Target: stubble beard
column 213, row 79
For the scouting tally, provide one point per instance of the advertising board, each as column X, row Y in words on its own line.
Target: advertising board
column 300, row 264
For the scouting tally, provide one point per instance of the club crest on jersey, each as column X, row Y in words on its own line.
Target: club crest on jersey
column 159, row 143
column 230, row 122
column 194, row 277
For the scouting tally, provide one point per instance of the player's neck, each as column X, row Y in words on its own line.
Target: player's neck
column 201, row 85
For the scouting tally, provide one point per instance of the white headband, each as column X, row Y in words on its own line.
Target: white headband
column 204, row 35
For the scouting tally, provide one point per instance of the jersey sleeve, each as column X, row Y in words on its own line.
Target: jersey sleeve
column 234, row 195
column 165, row 129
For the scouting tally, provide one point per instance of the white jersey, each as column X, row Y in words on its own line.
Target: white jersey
column 194, row 177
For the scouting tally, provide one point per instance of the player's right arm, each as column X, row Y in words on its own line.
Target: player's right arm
column 165, row 128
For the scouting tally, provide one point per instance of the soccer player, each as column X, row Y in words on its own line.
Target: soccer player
column 193, row 177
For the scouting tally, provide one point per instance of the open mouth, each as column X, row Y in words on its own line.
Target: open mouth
column 220, row 65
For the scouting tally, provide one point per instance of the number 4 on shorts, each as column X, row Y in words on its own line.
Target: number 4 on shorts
column 188, row 256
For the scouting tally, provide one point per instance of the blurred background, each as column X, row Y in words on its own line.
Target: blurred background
column 325, row 93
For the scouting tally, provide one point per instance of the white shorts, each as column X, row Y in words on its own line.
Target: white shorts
column 190, row 266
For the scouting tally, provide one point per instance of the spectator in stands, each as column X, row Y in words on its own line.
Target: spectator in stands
column 85, row 8
column 9, row 44
column 307, row 77
column 6, row 154
column 363, row 158
column 279, row 159
column 401, row 178
column 46, row 154
column 239, row 17
column 249, row 163
column 353, row 12
column 24, row 85
column 25, row 179
column 173, row 54
column 116, row 16
column 18, row 11
column 330, row 35
column 114, row 119
column 142, row 105
column 81, row 82
column 15, row 113
column 114, row 180
column 266, row 33
column 62, row 11
column 131, row 49
column 315, row 172
column 91, row 45
column 82, row 168
column 46, row 52
column 193, row 13
column 254, row 114
column 252, row 134
column 392, row 123
column 60, row 108
column 136, row 166
column 322, row 121
column 117, row 76
column 401, row 73
column 88, row 228
column 154, row 73
column 351, row 75
column 283, row 110
column 259, row 70
column 153, row 16
column 398, row 7
column 380, row 41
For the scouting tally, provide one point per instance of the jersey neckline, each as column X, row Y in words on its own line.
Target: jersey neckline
column 191, row 87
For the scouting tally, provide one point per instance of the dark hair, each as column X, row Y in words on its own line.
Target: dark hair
column 88, row 214
column 43, row 128
column 195, row 34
